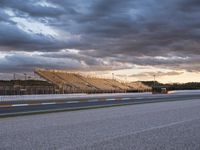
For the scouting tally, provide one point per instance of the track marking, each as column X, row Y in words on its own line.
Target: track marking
column 126, row 98
column 111, row 99
column 16, row 105
column 72, row 102
column 34, row 104
column 166, row 125
column 48, row 103
column 151, row 129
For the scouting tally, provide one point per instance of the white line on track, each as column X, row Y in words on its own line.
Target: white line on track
column 111, row 99
column 16, row 105
column 48, row 103
column 166, row 125
column 73, row 102
column 126, row 98
column 157, row 127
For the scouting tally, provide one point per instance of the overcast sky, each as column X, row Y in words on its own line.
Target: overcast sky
column 133, row 38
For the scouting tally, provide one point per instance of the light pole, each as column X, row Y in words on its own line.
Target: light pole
column 154, row 76
column 14, row 76
column 126, row 83
column 113, row 76
column 25, row 76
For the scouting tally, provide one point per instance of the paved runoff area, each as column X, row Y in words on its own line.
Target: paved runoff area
column 173, row 125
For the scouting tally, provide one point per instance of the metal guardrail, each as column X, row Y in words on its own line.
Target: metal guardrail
column 65, row 96
column 69, row 96
column 37, row 97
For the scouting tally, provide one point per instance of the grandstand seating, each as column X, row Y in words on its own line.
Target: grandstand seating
column 73, row 82
column 138, row 86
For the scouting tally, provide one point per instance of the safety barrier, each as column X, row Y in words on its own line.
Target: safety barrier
column 37, row 97
column 65, row 96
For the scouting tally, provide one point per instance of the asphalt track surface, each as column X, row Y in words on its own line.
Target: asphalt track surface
column 13, row 108
column 171, row 125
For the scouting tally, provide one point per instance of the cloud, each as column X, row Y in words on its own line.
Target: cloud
column 26, row 61
column 33, row 8
column 159, row 73
column 109, row 34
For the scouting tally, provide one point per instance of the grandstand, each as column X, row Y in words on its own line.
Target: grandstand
column 138, row 86
column 75, row 83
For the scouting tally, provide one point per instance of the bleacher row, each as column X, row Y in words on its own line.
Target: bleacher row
column 73, row 82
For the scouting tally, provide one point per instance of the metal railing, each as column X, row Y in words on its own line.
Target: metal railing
column 65, row 96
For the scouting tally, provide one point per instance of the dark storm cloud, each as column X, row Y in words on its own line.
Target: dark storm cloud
column 3, row 16
column 31, row 7
column 116, row 31
column 20, row 62
column 12, row 35
column 192, row 5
